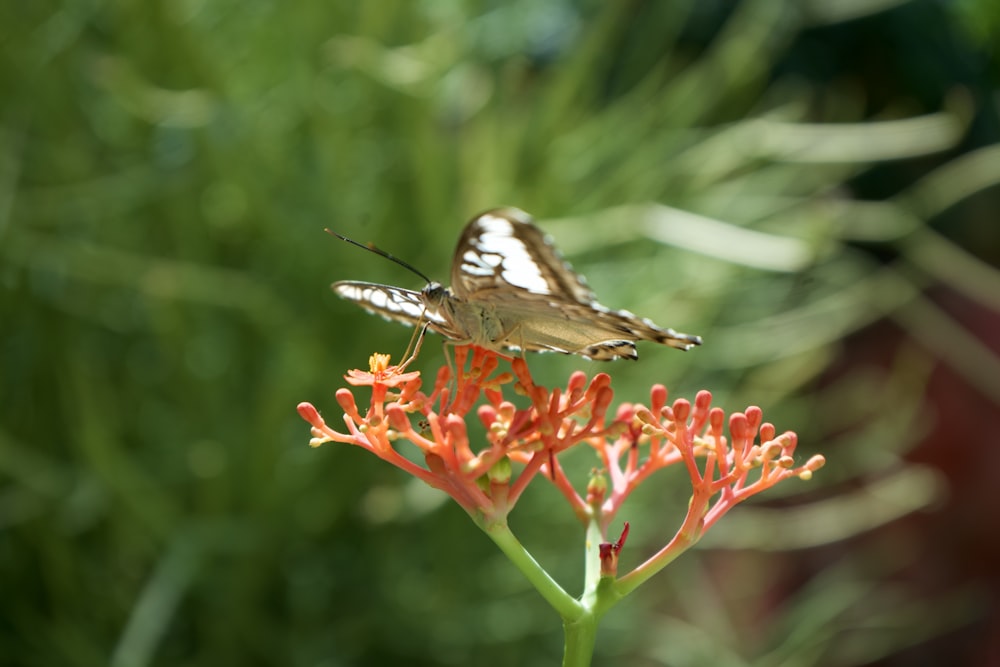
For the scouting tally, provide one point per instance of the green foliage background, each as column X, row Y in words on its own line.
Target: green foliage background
column 811, row 186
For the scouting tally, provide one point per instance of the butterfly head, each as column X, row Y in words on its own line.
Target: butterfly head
column 434, row 294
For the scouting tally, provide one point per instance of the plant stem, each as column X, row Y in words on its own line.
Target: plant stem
column 579, row 619
column 581, row 634
column 567, row 607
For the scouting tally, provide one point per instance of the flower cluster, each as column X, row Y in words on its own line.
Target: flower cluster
column 524, row 442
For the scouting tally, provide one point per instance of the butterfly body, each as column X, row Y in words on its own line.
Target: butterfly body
column 511, row 290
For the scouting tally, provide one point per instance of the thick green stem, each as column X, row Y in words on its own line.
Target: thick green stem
column 581, row 634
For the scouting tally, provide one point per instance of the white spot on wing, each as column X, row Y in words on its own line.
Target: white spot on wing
column 380, row 299
column 472, row 264
column 497, row 246
column 392, row 302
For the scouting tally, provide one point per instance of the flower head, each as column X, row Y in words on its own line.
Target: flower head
column 631, row 442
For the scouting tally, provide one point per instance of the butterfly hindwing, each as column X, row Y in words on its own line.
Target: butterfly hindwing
column 592, row 330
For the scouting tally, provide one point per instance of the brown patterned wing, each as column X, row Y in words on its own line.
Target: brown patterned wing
column 502, row 250
column 508, row 267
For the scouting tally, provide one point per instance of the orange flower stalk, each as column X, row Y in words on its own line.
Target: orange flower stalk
column 631, row 443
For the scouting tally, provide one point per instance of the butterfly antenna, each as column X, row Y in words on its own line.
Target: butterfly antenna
column 371, row 247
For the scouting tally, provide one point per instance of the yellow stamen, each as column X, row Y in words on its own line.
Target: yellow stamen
column 377, row 363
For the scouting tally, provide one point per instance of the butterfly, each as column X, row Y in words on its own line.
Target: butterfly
column 511, row 289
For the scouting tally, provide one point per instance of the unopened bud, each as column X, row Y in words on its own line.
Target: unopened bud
column 816, row 462
column 309, row 412
column 646, row 417
column 501, row 471
column 597, row 487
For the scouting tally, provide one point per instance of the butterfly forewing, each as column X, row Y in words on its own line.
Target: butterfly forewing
column 511, row 289
column 502, row 250
column 393, row 303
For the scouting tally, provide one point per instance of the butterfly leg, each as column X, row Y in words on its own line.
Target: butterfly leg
column 447, row 358
column 416, row 340
column 520, row 339
column 418, row 335
column 508, row 340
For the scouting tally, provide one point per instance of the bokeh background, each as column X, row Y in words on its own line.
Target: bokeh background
column 810, row 185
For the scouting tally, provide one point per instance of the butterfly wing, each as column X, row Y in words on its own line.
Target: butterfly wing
column 593, row 331
column 502, row 250
column 504, row 260
column 393, row 303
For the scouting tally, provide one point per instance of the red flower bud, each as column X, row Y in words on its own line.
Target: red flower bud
column 310, row 414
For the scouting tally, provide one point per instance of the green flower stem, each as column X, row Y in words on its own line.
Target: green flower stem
column 579, row 619
column 581, row 635
column 567, row 607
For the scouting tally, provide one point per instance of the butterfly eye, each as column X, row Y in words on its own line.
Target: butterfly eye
column 434, row 293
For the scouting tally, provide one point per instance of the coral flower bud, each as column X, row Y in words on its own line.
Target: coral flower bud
column 310, row 414
column 716, row 417
column 487, row 415
column 346, row 400
column 738, row 426
column 397, row 417
column 767, row 431
column 577, row 381
column 602, row 400
column 657, row 397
